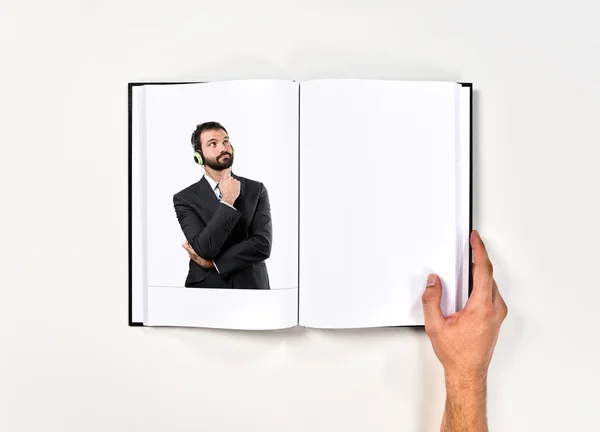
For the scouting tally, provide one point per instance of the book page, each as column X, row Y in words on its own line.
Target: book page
column 377, row 200
column 463, row 195
column 137, row 263
column 250, row 247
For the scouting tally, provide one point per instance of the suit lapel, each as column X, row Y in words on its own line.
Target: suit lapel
column 237, row 229
column 208, row 198
column 207, row 195
column 242, row 187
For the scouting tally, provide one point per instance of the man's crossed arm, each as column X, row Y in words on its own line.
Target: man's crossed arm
column 205, row 241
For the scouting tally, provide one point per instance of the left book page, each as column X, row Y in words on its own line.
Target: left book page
column 248, row 278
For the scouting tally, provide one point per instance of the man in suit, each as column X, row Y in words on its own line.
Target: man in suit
column 225, row 218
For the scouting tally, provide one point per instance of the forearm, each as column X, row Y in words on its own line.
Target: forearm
column 206, row 239
column 465, row 408
column 208, row 242
column 253, row 250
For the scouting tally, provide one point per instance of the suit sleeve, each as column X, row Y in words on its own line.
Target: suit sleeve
column 257, row 247
column 206, row 239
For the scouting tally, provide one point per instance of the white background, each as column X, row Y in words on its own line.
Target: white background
column 261, row 118
column 68, row 361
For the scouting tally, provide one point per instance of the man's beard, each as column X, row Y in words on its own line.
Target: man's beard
column 221, row 163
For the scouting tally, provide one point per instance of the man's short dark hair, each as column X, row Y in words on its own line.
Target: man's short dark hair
column 211, row 125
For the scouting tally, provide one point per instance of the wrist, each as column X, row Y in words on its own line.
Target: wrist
column 228, row 201
column 469, row 381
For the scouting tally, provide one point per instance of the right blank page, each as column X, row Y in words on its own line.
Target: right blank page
column 377, row 200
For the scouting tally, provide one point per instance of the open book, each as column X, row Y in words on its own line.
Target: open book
column 338, row 197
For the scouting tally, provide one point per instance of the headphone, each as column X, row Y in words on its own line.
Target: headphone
column 198, row 152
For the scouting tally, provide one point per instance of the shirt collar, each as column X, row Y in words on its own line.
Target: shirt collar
column 213, row 184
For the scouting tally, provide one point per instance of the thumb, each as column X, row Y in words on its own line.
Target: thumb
column 432, row 298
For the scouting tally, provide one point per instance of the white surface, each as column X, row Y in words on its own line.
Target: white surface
column 68, row 361
column 368, row 244
column 222, row 308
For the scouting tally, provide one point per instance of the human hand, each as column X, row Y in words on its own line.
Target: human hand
column 230, row 189
column 206, row 264
column 464, row 342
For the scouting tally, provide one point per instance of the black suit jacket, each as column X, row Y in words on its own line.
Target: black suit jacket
column 237, row 240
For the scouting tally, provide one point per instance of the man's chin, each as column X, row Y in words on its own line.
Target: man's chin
column 220, row 167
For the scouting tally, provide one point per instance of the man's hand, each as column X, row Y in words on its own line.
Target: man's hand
column 206, row 264
column 230, row 189
column 465, row 341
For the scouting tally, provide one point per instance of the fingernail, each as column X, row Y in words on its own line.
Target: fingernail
column 431, row 280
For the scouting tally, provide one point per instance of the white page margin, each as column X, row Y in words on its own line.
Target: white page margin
column 222, row 308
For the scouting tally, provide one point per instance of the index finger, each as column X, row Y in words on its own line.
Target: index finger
column 188, row 247
column 483, row 271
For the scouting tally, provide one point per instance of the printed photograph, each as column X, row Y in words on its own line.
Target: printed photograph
column 225, row 217
column 222, row 186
